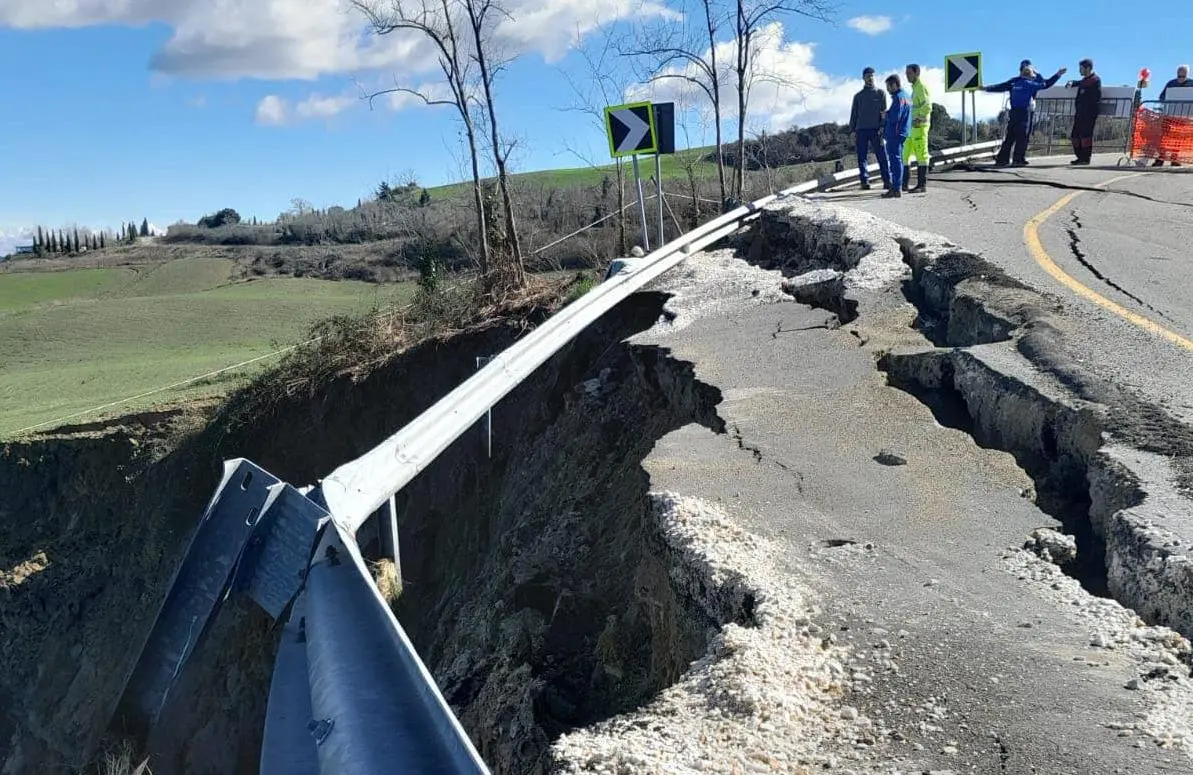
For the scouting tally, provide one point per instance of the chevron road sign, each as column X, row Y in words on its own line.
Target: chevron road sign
column 963, row 72
column 631, row 129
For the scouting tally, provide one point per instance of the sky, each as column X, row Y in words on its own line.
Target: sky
column 118, row 110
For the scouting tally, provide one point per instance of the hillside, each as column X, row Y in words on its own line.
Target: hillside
column 76, row 339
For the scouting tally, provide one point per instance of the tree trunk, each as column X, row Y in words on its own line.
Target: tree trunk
column 716, row 97
column 743, row 64
column 517, row 270
column 482, row 229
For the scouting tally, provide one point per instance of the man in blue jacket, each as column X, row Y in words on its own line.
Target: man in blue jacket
column 895, row 132
column 865, row 121
column 1023, row 89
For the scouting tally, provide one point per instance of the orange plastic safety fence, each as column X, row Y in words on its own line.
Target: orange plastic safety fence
column 1158, row 136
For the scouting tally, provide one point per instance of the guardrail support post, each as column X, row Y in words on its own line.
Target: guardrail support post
column 483, row 360
column 388, row 529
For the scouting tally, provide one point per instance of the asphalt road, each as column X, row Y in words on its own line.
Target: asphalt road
column 908, row 549
column 1122, row 254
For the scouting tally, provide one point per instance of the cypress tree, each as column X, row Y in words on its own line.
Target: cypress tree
column 77, row 240
column 103, row 242
column 144, row 227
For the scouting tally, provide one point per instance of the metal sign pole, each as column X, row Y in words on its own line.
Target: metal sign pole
column 964, row 123
column 641, row 204
column 973, row 96
column 658, row 176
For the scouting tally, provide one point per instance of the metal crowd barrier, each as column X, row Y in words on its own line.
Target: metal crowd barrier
column 349, row 694
column 1052, row 119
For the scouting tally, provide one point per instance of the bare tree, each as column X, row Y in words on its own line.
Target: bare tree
column 672, row 52
column 433, row 20
column 481, row 14
column 749, row 17
column 603, row 90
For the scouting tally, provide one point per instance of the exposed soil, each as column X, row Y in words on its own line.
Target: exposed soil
column 535, row 586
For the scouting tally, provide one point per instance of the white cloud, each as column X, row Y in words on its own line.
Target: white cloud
column 317, row 106
column 790, row 88
column 306, row 39
column 11, row 238
column 197, row 102
column 272, row 110
column 871, row 25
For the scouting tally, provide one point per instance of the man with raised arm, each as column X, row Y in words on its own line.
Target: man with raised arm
column 1023, row 89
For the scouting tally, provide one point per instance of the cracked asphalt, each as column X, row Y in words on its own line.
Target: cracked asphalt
column 898, row 524
column 1129, row 242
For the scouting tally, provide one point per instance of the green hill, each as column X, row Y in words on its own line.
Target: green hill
column 77, row 339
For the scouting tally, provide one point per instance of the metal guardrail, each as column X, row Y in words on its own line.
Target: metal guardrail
column 349, row 693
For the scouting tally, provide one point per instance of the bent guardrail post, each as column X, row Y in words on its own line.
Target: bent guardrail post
column 375, row 707
column 287, row 747
column 198, row 587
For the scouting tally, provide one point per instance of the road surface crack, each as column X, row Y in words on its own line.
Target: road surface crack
column 1075, row 249
column 736, row 434
column 1004, row 754
column 831, row 324
column 1013, row 178
column 968, row 199
column 742, row 444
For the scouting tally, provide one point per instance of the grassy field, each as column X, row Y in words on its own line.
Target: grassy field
column 73, row 340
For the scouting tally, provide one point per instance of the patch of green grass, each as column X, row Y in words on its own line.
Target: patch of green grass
column 74, row 340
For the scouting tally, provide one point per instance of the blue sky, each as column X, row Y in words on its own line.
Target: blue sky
column 169, row 109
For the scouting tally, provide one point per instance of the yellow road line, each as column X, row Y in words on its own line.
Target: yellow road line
column 1031, row 236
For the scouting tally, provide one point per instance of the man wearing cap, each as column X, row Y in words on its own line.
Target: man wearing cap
column 917, row 141
column 1023, row 89
column 1085, row 111
column 865, row 120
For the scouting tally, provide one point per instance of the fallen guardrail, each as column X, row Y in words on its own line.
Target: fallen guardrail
column 349, row 693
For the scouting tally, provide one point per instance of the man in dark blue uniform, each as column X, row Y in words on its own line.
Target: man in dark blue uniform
column 1023, row 89
column 865, row 120
column 1085, row 111
column 895, row 130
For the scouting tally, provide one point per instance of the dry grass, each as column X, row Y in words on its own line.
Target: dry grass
column 120, row 759
column 389, row 583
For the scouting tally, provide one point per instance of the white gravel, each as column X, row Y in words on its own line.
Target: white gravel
column 765, row 698
column 1161, row 655
column 713, row 283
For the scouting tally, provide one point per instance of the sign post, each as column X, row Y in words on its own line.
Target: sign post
column 643, row 127
column 631, row 131
column 963, row 73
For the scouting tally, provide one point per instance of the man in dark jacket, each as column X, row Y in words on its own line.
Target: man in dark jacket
column 1085, row 111
column 895, row 130
column 865, row 121
column 1023, row 89
column 1181, row 81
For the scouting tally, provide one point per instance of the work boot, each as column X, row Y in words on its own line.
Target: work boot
column 893, row 193
column 906, row 187
column 921, row 180
column 864, row 185
column 1158, row 163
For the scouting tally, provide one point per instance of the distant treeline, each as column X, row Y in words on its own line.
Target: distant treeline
column 65, row 241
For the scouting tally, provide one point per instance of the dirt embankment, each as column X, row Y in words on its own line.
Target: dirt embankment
column 534, row 586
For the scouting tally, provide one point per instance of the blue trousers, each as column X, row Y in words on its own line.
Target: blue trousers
column 1018, row 130
column 870, row 141
column 894, row 156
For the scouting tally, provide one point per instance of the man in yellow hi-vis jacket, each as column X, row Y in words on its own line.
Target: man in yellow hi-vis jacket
column 917, row 141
